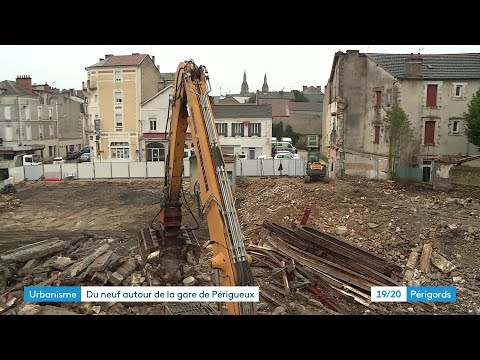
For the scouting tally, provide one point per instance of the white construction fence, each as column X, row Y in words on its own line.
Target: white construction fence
column 144, row 170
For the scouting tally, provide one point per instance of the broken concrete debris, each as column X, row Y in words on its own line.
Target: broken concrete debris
column 443, row 264
column 425, row 258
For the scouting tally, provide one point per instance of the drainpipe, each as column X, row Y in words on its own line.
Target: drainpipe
column 342, row 153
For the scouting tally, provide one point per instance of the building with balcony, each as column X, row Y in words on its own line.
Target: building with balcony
column 117, row 85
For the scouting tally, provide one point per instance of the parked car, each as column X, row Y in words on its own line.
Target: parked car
column 264, row 157
column 286, row 155
column 58, row 160
column 85, row 150
column 243, row 156
column 84, row 158
column 72, row 155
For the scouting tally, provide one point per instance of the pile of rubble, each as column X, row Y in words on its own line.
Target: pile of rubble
column 90, row 260
column 8, row 203
column 335, row 273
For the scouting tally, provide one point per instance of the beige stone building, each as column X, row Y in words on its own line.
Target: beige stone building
column 433, row 89
column 116, row 87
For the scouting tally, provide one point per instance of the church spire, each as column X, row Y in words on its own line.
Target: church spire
column 265, row 85
column 244, row 89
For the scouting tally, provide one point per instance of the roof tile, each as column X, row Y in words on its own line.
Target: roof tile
column 435, row 66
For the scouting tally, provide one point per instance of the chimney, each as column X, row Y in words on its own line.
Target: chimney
column 72, row 92
column 319, row 88
column 413, row 66
column 101, row 59
column 353, row 52
column 25, row 82
column 153, row 59
column 304, row 87
column 108, row 55
column 135, row 53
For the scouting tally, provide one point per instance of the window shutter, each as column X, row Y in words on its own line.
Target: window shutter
column 431, row 95
column 249, row 130
column 429, row 133
column 233, row 129
column 259, row 129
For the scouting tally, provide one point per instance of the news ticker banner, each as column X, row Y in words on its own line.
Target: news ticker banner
column 141, row 294
column 413, row 293
column 213, row 294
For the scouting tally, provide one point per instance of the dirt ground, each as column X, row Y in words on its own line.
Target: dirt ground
column 388, row 219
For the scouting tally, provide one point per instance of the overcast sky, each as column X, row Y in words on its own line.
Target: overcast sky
column 288, row 67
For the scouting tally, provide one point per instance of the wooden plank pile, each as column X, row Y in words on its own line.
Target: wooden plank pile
column 325, row 265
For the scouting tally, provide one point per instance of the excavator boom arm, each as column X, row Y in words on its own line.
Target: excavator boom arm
column 191, row 107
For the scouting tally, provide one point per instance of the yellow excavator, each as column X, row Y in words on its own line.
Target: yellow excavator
column 191, row 107
column 316, row 167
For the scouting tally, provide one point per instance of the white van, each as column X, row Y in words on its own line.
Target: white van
column 188, row 153
column 287, row 139
column 243, row 156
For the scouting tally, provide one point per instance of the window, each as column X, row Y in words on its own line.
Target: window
column 7, row 113
column 39, row 113
column 155, row 152
column 222, row 129
column 254, row 129
column 153, row 123
column 71, row 148
column 118, row 120
column 120, row 150
column 50, row 151
column 376, row 140
column 29, row 132
column 432, row 95
column 251, row 153
column 51, row 130
column 237, row 129
column 118, row 75
column 40, row 132
column 8, row 133
column 378, row 98
column 458, row 90
column 118, row 97
column 26, row 111
column 50, row 113
column 429, row 138
column 456, row 127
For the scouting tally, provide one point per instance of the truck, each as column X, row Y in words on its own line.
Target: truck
column 32, row 159
column 191, row 107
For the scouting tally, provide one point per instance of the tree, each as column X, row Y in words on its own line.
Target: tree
column 402, row 144
column 277, row 130
column 291, row 134
column 299, row 96
column 252, row 99
column 472, row 120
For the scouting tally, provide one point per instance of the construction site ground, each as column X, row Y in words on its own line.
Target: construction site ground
column 389, row 219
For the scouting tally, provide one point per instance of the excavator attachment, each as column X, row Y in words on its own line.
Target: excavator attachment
column 184, row 246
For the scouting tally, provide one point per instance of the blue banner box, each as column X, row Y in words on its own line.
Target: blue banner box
column 431, row 294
